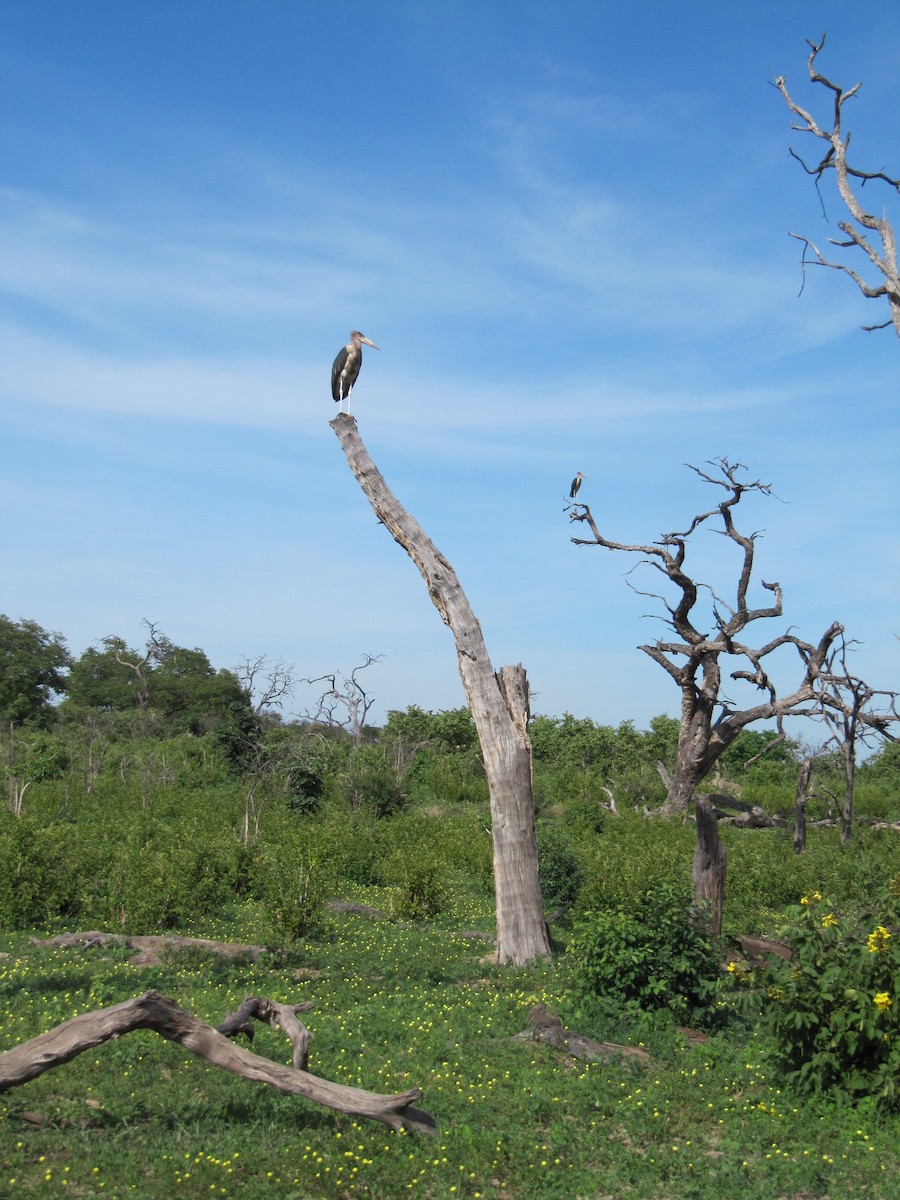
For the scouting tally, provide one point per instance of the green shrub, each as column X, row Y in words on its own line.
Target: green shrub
column 646, row 956
column 371, row 782
column 38, row 873
column 562, row 874
column 296, row 877
column 833, row 1008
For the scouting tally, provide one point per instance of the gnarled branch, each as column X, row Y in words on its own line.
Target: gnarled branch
column 835, row 159
column 165, row 1017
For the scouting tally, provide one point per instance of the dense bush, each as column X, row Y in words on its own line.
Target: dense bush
column 562, row 873
column 295, row 878
column 648, row 955
column 832, row 1010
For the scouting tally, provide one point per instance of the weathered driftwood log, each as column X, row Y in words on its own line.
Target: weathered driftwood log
column 281, row 1016
column 757, row 950
column 749, row 815
column 543, row 1026
column 165, row 1017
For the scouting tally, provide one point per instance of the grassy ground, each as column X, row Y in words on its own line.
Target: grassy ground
column 397, row 1006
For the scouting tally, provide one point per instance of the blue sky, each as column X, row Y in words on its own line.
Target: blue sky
column 565, row 225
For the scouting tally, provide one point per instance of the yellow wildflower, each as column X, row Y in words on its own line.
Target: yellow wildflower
column 828, row 920
column 878, row 939
column 883, row 1001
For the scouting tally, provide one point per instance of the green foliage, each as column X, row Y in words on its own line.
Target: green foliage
column 31, row 757
column 39, row 877
column 833, row 1008
column 413, row 861
column 562, row 873
column 32, row 662
column 436, row 755
column 370, row 782
column 295, row 878
column 647, row 956
column 175, row 689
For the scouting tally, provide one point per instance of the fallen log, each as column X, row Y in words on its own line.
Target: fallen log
column 543, row 1026
column 150, row 946
column 165, row 1017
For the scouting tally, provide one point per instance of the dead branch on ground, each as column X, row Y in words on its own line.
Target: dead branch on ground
column 154, row 1011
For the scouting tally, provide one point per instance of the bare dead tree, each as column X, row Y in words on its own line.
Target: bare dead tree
column 854, row 713
column 708, row 638
column 345, row 705
column 864, row 223
column 802, row 799
column 266, row 683
column 708, row 875
column 499, row 705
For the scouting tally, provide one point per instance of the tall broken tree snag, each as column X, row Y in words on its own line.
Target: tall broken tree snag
column 709, row 869
column 800, row 803
column 864, row 223
column 710, row 635
column 499, row 707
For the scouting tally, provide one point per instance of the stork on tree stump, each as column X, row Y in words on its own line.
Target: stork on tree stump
column 499, row 705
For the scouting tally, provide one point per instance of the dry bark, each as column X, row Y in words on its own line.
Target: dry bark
column 800, row 805
column 150, row 946
column 499, row 706
column 543, row 1026
column 864, row 223
column 709, row 868
column 165, row 1017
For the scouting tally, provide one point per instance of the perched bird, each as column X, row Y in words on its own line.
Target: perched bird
column 345, row 368
column 576, row 484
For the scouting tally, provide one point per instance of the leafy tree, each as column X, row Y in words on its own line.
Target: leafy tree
column 32, row 662
column 176, row 686
column 188, row 692
column 100, row 680
column 28, row 757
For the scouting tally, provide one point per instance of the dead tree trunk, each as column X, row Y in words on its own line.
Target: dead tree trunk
column 153, row 1011
column 709, row 868
column 499, row 706
column 800, row 806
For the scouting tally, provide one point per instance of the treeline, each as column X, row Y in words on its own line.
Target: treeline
column 114, row 708
column 148, row 790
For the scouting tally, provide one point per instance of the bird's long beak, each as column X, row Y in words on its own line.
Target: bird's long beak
column 366, row 342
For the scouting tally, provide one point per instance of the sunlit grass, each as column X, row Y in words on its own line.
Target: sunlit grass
column 396, row 1006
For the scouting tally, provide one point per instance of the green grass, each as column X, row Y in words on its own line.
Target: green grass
column 395, row 1006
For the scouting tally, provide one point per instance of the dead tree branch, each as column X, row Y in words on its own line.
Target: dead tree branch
column 705, row 637
column 864, row 223
column 853, row 712
column 349, row 698
column 169, row 1020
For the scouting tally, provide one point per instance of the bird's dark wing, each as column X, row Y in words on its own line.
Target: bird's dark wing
column 336, row 367
column 573, row 490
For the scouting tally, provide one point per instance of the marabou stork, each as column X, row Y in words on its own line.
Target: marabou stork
column 345, row 368
column 576, row 484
